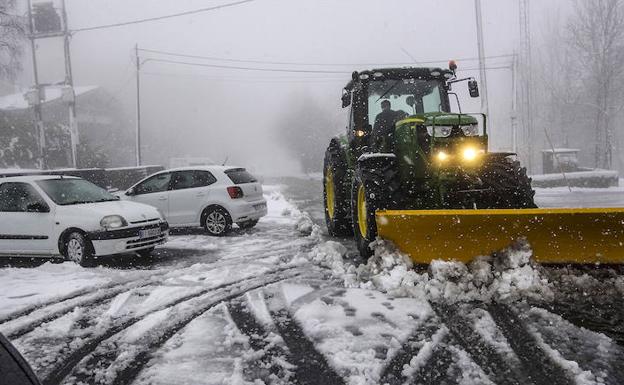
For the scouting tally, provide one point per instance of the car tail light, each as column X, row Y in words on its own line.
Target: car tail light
column 235, row 192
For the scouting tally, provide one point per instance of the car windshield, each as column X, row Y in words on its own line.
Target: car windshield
column 74, row 191
column 410, row 96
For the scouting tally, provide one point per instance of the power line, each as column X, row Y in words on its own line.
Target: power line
column 287, row 70
column 248, row 80
column 186, row 13
column 250, row 68
column 215, row 58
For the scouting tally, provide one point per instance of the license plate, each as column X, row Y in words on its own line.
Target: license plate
column 148, row 233
column 260, row 206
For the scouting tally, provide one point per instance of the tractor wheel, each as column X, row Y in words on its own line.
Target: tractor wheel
column 336, row 195
column 363, row 206
column 510, row 184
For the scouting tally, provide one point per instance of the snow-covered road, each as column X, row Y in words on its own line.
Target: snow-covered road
column 285, row 304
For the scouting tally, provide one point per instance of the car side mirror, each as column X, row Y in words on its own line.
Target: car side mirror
column 38, row 207
column 346, row 99
column 473, row 88
column 131, row 191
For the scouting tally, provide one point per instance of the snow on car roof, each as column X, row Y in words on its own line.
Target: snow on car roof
column 32, row 178
column 207, row 168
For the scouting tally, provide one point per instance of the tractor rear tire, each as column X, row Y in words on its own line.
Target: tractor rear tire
column 336, row 193
column 364, row 196
column 510, row 184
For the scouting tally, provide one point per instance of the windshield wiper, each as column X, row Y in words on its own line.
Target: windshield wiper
column 388, row 90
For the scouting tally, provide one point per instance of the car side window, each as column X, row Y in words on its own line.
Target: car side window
column 182, row 180
column 203, row 179
column 18, row 197
column 157, row 183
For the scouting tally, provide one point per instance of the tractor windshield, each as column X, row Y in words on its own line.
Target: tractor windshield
column 406, row 96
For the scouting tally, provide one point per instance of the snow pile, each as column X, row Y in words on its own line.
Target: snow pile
column 330, row 254
column 303, row 223
column 507, row 276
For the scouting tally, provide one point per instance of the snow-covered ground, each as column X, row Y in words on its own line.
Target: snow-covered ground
column 285, row 304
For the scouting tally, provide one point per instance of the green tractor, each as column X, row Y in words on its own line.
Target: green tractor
column 405, row 150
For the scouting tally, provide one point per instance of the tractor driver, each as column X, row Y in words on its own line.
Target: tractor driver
column 383, row 130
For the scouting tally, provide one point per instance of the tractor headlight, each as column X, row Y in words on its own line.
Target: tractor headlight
column 439, row 131
column 469, row 154
column 442, row 156
column 111, row 222
column 471, row 130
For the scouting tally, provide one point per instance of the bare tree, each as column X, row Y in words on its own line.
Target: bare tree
column 12, row 33
column 597, row 35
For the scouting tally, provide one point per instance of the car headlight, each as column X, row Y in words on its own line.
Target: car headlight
column 113, row 222
column 439, row 131
column 471, row 130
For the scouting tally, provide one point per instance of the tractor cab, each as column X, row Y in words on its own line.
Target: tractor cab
column 390, row 107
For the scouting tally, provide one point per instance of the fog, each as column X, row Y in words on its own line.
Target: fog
column 227, row 113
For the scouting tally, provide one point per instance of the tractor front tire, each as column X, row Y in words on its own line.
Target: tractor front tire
column 510, row 184
column 336, row 195
column 363, row 205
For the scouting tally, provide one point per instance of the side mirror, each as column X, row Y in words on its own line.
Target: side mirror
column 346, row 99
column 38, row 207
column 131, row 191
column 473, row 88
column 410, row 101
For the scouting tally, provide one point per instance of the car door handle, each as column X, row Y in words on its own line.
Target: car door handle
column 200, row 194
column 162, row 198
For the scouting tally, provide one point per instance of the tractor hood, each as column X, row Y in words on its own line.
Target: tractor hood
column 440, row 119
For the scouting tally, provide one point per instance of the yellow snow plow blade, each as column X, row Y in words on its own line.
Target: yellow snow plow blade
column 576, row 236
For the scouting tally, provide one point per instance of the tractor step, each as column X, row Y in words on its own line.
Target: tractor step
column 559, row 236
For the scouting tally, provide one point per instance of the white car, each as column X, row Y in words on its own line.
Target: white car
column 51, row 216
column 214, row 197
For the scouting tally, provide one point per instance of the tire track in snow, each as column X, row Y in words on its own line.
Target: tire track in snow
column 435, row 371
column 605, row 319
column 259, row 340
column 592, row 351
column 41, row 313
column 126, row 374
column 59, row 300
column 49, row 313
column 58, row 373
column 483, row 354
column 538, row 366
column 311, row 366
column 393, row 373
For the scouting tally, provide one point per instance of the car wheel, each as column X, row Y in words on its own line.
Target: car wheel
column 247, row 224
column 217, row 221
column 78, row 249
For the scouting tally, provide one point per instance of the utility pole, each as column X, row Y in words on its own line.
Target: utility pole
column 71, row 98
column 68, row 93
column 525, row 90
column 37, row 99
column 138, row 104
column 482, row 70
column 514, row 104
